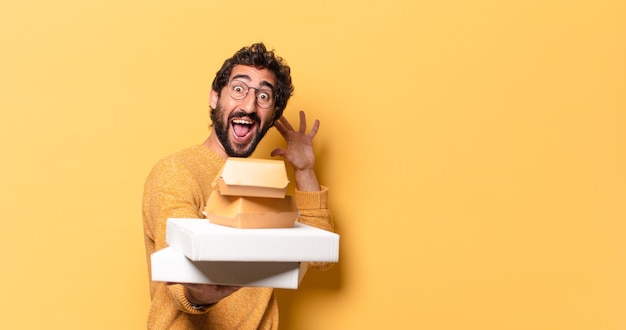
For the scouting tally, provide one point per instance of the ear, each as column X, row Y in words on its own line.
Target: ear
column 213, row 97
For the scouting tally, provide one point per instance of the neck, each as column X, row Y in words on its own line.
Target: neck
column 214, row 145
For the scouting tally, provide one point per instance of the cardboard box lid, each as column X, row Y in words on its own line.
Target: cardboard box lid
column 198, row 239
column 169, row 265
column 253, row 177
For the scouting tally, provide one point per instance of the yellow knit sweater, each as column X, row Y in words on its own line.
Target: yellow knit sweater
column 178, row 187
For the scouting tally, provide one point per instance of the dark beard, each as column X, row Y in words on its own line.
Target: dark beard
column 221, row 130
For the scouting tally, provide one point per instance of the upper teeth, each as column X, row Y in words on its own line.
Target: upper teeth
column 242, row 122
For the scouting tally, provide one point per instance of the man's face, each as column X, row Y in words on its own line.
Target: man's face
column 240, row 124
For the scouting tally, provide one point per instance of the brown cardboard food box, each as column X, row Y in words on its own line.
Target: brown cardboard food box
column 251, row 212
column 253, row 178
column 251, row 193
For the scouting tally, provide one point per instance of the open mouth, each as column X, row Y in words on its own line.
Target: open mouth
column 242, row 128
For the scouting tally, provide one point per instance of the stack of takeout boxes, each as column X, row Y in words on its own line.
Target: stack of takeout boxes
column 250, row 236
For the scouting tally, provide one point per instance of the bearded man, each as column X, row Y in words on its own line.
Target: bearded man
column 248, row 96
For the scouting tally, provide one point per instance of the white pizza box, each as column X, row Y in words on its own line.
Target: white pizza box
column 169, row 265
column 199, row 239
column 253, row 178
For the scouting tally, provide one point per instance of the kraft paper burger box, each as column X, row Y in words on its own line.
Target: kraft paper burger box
column 169, row 265
column 251, row 212
column 251, row 193
column 201, row 240
column 253, row 178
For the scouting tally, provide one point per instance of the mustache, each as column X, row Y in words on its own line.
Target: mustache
column 240, row 114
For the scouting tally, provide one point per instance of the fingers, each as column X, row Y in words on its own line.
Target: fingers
column 278, row 152
column 231, row 289
column 302, row 122
column 280, row 126
column 316, row 127
column 202, row 294
column 283, row 126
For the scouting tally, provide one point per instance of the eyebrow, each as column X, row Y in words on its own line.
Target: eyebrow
column 246, row 77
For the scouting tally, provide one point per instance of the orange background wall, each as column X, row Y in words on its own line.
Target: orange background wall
column 475, row 151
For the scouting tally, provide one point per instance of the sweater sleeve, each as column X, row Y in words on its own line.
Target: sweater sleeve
column 170, row 192
column 313, row 208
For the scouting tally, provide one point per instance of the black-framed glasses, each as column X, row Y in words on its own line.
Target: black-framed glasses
column 238, row 90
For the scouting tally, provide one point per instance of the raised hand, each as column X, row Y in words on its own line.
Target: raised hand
column 299, row 151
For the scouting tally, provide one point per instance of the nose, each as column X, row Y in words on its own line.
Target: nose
column 248, row 104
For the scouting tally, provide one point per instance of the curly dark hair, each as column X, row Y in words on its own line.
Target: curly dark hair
column 259, row 57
